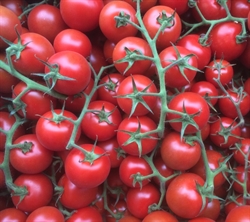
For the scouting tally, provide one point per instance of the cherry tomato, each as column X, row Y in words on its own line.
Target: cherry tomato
column 12, row 214
column 240, row 213
column 160, row 215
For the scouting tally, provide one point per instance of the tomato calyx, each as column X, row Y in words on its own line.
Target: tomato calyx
column 121, row 19
column 103, row 115
column 166, row 21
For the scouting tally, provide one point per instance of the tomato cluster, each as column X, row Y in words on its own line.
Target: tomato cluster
column 123, row 110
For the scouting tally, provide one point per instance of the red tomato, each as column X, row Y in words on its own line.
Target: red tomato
column 179, row 154
column 130, row 96
column 179, row 6
column 12, row 214
column 116, row 29
column 201, row 219
column 46, row 213
column 228, row 49
column 72, row 40
column 25, row 159
column 39, row 188
column 108, row 48
column 36, row 47
column 130, row 170
column 181, row 74
column 94, row 166
column 183, row 197
column 86, row 12
column 160, row 215
column 54, row 129
column 240, row 8
column 171, row 30
column 241, row 178
column 212, row 209
column 239, row 214
column 245, row 56
column 129, row 218
column 139, row 200
column 144, row 5
column 241, row 150
column 188, row 103
column 125, row 51
column 231, row 204
column 70, row 65
column 129, row 138
column 46, row 20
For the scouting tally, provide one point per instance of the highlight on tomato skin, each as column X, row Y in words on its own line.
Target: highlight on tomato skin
column 124, row 110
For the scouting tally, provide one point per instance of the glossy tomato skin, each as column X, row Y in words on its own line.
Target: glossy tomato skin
column 26, row 161
column 40, row 192
column 170, row 34
column 37, row 47
column 179, row 154
column 46, row 213
column 91, row 174
column 135, row 45
column 179, row 6
column 55, row 135
column 85, row 16
column 104, row 119
column 139, row 199
column 160, row 215
column 242, row 177
column 241, row 151
column 240, row 8
column 46, row 20
column 139, row 124
column 12, row 214
column 173, row 76
column 224, row 43
column 71, row 65
column 112, row 31
column 126, row 87
column 144, row 6
column 182, row 196
column 240, row 214
column 193, row 103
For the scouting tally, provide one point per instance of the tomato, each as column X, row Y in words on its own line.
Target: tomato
column 129, row 138
column 179, row 6
column 129, row 218
column 144, row 5
column 216, row 10
column 37, row 47
column 40, row 192
column 117, row 207
column 248, row 19
column 93, row 171
column 72, row 40
column 240, row 151
column 54, row 129
column 25, row 160
column 117, row 29
column 85, row 16
column 139, row 200
column 70, row 65
column 227, row 103
column 245, row 56
column 241, row 178
column 73, row 197
column 6, row 123
column 124, row 52
column 190, row 104
column 158, row 16
column 223, row 132
column 219, row 69
column 201, row 219
column 33, row 103
column 231, row 204
column 179, row 154
column 130, row 96
column 9, row 21
column 46, row 213
column 239, row 214
column 240, row 8
column 224, row 43
column 46, row 20
column 131, row 168
column 108, row 91
column 160, row 215
column 214, row 159
column 212, row 209
column 104, row 118
column 181, row 74
column 183, row 197
column 12, row 214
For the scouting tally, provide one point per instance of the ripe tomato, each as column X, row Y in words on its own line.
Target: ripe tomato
column 160, row 215
column 54, row 131
column 139, row 200
column 12, row 214
column 46, row 20
column 124, row 52
column 240, row 8
column 190, row 104
column 40, row 192
column 179, row 154
column 116, row 29
column 71, row 65
column 129, row 138
column 104, row 118
column 240, row 214
column 181, row 74
column 25, row 160
column 179, row 6
column 144, row 5
column 130, row 96
column 183, row 197
column 241, row 150
column 86, row 12
column 245, row 56
column 153, row 20
column 241, row 177
column 93, row 171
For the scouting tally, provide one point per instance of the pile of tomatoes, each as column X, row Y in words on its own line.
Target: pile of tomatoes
column 125, row 110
